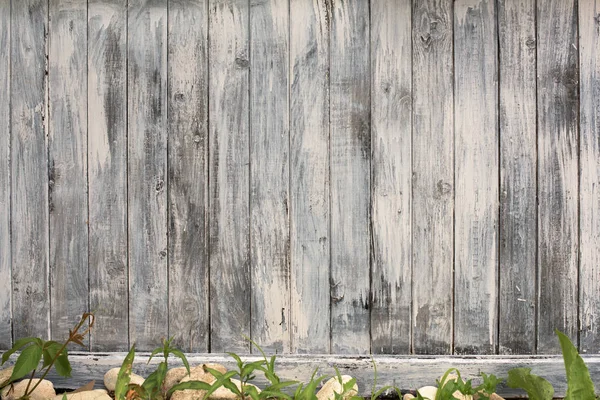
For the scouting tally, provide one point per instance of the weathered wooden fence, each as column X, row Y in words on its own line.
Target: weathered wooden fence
column 344, row 176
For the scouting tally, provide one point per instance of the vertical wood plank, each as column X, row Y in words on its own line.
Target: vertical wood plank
column 589, row 88
column 67, row 159
column 269, row 174
column 433, row 176
column 229, row 174
column 29, row 168
column 558, row 114
column 188, row 170
column 391, row 77
column 518, row 181
column 5, row 251
column 350, row 149
column 476, row 173
column 309, row 175
column 107, row 171
column 147, row 163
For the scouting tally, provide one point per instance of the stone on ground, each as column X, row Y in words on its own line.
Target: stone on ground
column 110, row 379
column 5, row 375
column 96, row 394
column 333, row 386
column 44, row 391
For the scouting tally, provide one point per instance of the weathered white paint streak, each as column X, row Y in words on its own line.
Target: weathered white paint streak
column 309, row 175
column 476, row 174
column 188, row 174
column 391, row 80
column 107, row 172
column 589, row 218
column 5, row 251
column 518, row 203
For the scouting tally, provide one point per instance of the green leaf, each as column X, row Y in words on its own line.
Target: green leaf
column 178, row 353
column 537, row 388
column 18, row 344
column 28, row 360
column 61, row 364
column 579, row 382
column 153, row 383
column 193, row 385
column 122, row 384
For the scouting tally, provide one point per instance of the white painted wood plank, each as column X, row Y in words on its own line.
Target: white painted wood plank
column 188, row 174
column 269, row 174
column 589, row 218
column 67, row 163
column 147, row 163
column 309, row 175
column 477, row 177
column 5, row 251
column 229, row 174
column 558, row 112
column 518, row 161
column 406, row 372
column 350, row 153
column 107, row 171
column 391, row 77
column 29, row 168
column 433, row 176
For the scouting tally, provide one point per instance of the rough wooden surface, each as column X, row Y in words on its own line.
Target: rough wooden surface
column 147, row 171
column 5, row 251
column 589, row 169
column 67, row 164
column 406, row 372
column 269, row 174
column 558, row 115
column 188, row 174
column 229, row 174
column 476, row 175
column 391, row 102
column 433, row 177
column 309, row 175
column 107, row 173
column 29, row 165
column 518, row 179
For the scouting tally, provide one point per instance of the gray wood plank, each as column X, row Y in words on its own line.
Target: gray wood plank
column 5, row 259
column 391, row 77
column 67, row 163
column 350, row 149
column 309, row 175
column 29, row 167
column 147, row 169
column 476, row 174
column 518, row 203
column 269, row 175
column 188, row 174
column 433, row 176
column 107, row 172
column 229, row 192
column 589, row 217
column 558, row 114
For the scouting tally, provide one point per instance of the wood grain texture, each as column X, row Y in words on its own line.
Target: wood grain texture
column 269, row 174
column 350, row 147
column 558, row 114
column 309, row 175
column 29, row 166
column 229, row 192
column 107, row 172
column 433, row 176
column 67, row 163
column 518, row 163
column 188, row 174
column 147, row 169
column 476, row 174
column 589, row 217
column 391, row 115
column 5, row 259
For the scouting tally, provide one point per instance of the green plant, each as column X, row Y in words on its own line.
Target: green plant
column 579, row 382
column 308, row 391
column 376, row 393
column 537, row 388
column 447, row 387
column 53, row 354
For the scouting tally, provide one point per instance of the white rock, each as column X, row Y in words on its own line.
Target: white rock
column 5, row 375
column 333, row 386
column 173, row 377
column 110, row 379
column 428, row 392
column 221, row 393
column 408, row 396
column 96, row 394
column 196, row 374
column 44, row 391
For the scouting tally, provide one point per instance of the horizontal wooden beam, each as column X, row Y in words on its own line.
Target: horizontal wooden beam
column 405, row 372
